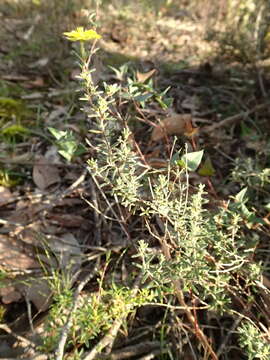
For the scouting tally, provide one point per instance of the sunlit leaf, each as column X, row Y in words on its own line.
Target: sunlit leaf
column 192, row 160
column 240, row 197
column 58, row 134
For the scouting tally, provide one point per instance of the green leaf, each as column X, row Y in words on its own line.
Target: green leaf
column 207, row 168
column 66, row 155
column 58, row 134
column 240, row 197
column 191, row 160
column 142, row 97
column 66, row 143
column 267, row 206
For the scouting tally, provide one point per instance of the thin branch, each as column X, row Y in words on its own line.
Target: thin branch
column 64, row 333
column 20, row 338
column 234, row 119
column 132, row 350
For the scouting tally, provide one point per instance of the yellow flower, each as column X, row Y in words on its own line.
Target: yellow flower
column 82, row 35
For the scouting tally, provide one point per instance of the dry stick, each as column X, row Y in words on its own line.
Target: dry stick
column 261, row 83
column 132, row 350
column 153, row 355
column 64, row 333
column 110, row 207
column 234, row 119
column 29, row 313
column 226, row 339
column 179, row 294
column 111, row 335
column 180, row 297
column 97, row 234
column 18, row 337
column 200, row 335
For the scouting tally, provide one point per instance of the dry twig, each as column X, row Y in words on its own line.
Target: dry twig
column 234, row 119
column 68, row 324
column 132, row 350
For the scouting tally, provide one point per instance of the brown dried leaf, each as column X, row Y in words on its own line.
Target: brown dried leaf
column 13, row 254
column 37, row 291
column 67, row 250
column 45, row 174
column 5, row 195
column 9, row 295
column 142, row 77
column 37, row 82
column 174, row 125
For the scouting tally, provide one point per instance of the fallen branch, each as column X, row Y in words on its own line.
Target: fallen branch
column 234, row 119
column 132, row 350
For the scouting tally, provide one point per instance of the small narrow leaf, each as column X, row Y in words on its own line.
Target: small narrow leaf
column 240, row 197
column 142, row 97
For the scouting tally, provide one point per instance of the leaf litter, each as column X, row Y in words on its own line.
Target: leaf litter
column 51, row 226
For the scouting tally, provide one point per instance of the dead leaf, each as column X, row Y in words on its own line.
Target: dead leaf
column 38, row 292
column 190, row 130
column 9, row 295
column 67, row 250
column 45, row 174
column 178, row 124
column 15, row 255
column 142, row 77
column 37, row 82
column 5, row 195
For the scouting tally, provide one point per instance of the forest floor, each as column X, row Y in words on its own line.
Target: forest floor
column 49, row 223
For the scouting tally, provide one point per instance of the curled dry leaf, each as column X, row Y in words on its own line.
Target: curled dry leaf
column 142, row 77
column 178, row 124
column 45, row 174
